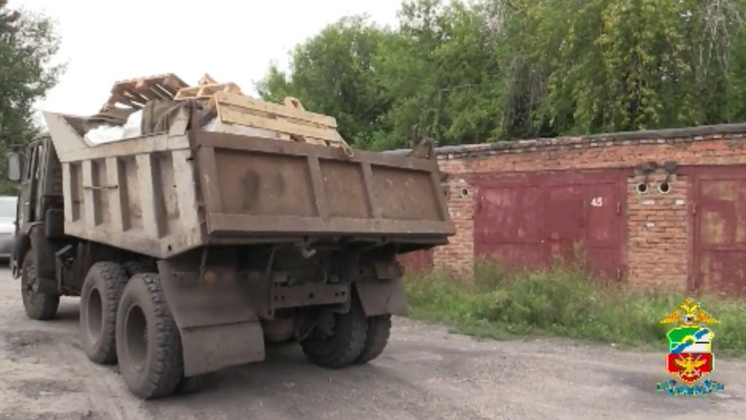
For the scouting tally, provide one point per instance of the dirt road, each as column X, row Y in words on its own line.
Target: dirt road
column 425, row 373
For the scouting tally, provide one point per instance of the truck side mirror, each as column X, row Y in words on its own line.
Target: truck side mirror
column 14, row 167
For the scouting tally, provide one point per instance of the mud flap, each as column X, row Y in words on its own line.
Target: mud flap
column 215, row 315
column 380, row 297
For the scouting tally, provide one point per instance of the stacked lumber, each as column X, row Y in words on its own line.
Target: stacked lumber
column 206, row 87
column 289, row 120
column 135, row 93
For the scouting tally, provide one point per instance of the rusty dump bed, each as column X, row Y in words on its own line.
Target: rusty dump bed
column 164, row 194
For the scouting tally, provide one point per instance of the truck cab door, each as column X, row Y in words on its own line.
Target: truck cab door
column 25, row 205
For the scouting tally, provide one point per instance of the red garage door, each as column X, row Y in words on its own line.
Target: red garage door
column 528, row 220
column 719, row 225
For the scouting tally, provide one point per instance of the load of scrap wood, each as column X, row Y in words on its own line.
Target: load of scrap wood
column 142, row 106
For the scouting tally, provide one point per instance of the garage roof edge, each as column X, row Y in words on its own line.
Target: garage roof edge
column 707, row 132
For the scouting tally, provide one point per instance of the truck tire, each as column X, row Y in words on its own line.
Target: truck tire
column 344, row 346
column 99, row 299
column 379, row 331
column 39, row 306
column 148, row 341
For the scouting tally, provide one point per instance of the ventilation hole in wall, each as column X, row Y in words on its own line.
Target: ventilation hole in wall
column 664, row 188
column 641, row 188
column 464, row 192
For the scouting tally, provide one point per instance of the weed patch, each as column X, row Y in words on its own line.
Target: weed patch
column 563, row 302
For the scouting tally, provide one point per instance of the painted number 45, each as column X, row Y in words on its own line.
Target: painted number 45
column 597, row 202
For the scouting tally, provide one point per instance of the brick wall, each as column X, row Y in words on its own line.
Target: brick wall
column 657, row 227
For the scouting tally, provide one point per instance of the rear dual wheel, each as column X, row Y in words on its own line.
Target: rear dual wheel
column 102, row 289
column 355, row 339
column 147, row 340
column 124, row 318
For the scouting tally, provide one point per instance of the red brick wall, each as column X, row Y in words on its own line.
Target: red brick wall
column 657, row 232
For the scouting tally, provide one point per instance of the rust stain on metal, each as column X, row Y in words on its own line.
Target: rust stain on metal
column 719, row 247
column 528, row 221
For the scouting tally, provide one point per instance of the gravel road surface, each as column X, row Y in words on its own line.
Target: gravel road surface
column 425, row 373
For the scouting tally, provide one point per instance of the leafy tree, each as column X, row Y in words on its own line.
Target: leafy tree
column 442, row 74
column 467, row 72
column 333, row 73
column 28, row 41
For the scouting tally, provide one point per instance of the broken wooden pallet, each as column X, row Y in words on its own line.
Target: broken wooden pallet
column 136, row 93
column 290, row 119
column 205, row 90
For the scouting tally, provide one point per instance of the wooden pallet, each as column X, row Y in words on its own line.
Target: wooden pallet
column 135, row 93
column 205, row 91
column 290, row 119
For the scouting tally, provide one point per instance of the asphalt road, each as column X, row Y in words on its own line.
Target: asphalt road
column 425, row 373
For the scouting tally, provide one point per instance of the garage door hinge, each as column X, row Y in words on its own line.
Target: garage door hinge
column 694, row 207
column 618, row 208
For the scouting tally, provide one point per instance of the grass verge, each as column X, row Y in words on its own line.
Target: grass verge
column 564, row 303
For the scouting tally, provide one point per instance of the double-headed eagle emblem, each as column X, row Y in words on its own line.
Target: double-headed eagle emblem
column 689, row 314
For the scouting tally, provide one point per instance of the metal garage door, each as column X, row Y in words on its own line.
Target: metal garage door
column 528, row 220
column 718, row 224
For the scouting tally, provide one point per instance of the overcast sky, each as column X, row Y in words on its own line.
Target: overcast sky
column 233, row 41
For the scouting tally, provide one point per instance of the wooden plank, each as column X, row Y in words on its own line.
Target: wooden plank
column 136, row 92
column 207, row 80
column 282, row 126
column 293, row 103
column 271, row 108
column 188, row 92
column 204, row 91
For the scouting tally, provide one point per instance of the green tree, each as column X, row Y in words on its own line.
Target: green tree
column 467, row 72
column 333, row 74
column 442, row 74
column 28, row 41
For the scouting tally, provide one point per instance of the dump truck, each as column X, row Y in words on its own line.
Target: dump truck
column 192, row 249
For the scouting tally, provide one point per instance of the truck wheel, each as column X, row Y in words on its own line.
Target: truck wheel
column 344, row 346
column 379, row 330
column 39, row 306
column 99, row 299
column 148, row 342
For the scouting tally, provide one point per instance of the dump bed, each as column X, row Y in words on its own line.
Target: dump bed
column 163, row 194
